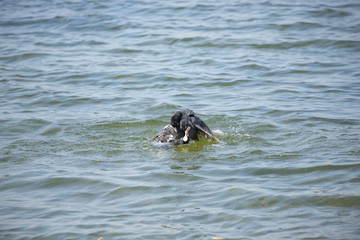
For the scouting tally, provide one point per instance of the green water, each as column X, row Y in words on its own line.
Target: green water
column 86, row 85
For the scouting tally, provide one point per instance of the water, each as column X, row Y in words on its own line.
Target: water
column 85, row 85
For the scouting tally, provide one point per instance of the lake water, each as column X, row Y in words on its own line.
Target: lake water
column 86, row 85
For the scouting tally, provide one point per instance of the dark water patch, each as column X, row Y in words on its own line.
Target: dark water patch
column 51, row 131
column 285, row 91
column 116, row 27
column 345, row 44
column 31, row 21
column 123, row 192
column 76, row 183
column 77, row 76
column 63, row 100
column 167, row 108
column 311, row 120
column 217, row 45
column 292, row 171
column 23, row 57
column 187, row 41
column 327, row 201
column 253, row 67
column 300, row 26
column 323, row 64
column 124, row 51
column 221, row 83
column 71, row 43
column 316, row 43
column 327, row 12
column 201, row 62
column 24, row 126
column 86, row 85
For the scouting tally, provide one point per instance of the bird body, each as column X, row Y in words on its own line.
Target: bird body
column 184, row 126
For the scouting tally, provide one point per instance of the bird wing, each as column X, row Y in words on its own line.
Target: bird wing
column 167, row 131
column 210, row 135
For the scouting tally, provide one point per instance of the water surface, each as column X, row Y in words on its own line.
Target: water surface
column 85, row 85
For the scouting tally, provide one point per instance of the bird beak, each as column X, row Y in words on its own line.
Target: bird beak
column 186, row 137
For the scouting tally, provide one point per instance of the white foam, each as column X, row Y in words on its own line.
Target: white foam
column 218, row 132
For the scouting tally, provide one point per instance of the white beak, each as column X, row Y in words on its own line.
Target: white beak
column 186, row 137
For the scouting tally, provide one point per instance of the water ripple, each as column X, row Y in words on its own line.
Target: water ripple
column 85, row 86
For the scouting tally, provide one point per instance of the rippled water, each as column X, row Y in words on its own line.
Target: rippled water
column 85, row 85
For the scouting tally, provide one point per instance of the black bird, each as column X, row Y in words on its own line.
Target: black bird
column 185, row 125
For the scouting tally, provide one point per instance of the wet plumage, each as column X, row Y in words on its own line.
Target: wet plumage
column 184, row 126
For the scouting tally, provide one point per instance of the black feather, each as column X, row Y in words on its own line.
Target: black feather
column 179, row 123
